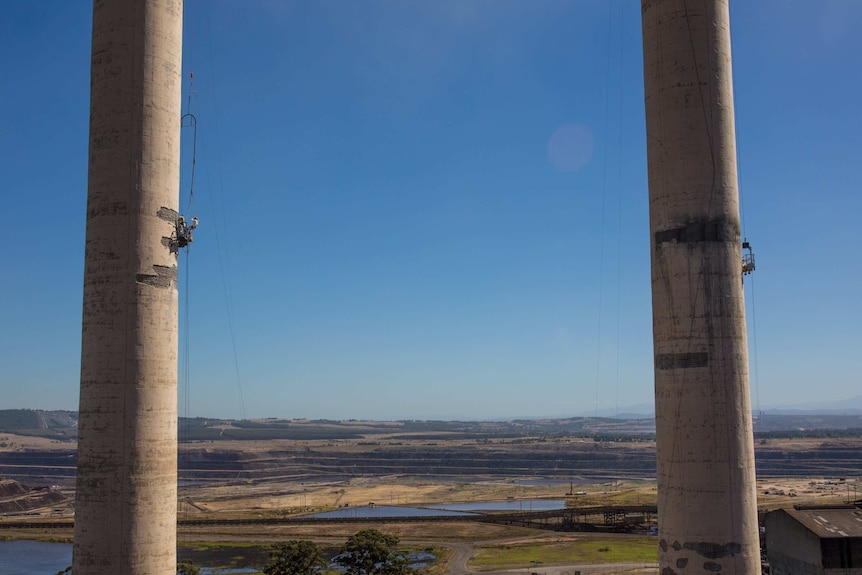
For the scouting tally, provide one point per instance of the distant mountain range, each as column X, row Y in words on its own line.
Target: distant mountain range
column 637, row 411
column 851, row 406
column 631, row 419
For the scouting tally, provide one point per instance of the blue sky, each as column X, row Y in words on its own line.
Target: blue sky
column 437, row 209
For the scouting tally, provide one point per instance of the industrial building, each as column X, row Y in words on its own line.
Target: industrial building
column 814, row 541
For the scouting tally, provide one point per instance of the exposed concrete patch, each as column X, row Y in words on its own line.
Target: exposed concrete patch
column 168, row 215
column 681, row 360
column 165, row 277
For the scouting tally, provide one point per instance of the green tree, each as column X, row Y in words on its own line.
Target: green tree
column 371, row 552
column 295, row 558
column 188, row 568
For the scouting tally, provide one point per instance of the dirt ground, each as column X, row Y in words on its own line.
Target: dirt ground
column 13, row 442
column 289, row 498
column 296, row 497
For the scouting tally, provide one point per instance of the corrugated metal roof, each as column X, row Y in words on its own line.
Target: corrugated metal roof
column 829, row 523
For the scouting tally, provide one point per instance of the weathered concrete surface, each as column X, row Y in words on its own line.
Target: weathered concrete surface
column 127, row 453
column 704, row 442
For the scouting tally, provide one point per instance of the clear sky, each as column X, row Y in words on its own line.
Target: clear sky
column 437, row 209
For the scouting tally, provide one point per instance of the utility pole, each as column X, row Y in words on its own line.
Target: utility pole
column 707, row 500
column 126, row 497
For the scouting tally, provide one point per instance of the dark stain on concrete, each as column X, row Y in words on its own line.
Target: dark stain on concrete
column 107, row 208
column 663, row 545
column 665, row 361
column 714, row 550
column 676, row 546
column 700, row 231
column 712, row 567
column 681, row 563
column 668, row 571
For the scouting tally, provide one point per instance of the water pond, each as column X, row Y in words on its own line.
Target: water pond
column 506, row 505
column 21, row 557
column 387, row 511
column 34, row 557
column 445, row 510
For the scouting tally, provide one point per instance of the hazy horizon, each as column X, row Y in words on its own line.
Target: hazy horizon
column 847, row 406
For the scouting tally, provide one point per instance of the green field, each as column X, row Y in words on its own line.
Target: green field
column 626, row 550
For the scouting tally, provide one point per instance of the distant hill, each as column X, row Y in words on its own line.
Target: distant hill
column 803, row 424
column 53, row 424
column 638, row 411
column 851, row 406
column 63, row 425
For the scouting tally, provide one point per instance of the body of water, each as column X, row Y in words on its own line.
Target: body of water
column 506, row 505
column 446, row 510
column 388, row 511
column 34, row 557
column 21, row 557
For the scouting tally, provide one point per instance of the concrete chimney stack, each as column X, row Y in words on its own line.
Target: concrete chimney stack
column 706, row 485
column 125, row 508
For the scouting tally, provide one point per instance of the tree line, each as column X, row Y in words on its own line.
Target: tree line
column 368, row 552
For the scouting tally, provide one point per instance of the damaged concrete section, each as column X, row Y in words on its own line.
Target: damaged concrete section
column 167, row 214
column 165, row 277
